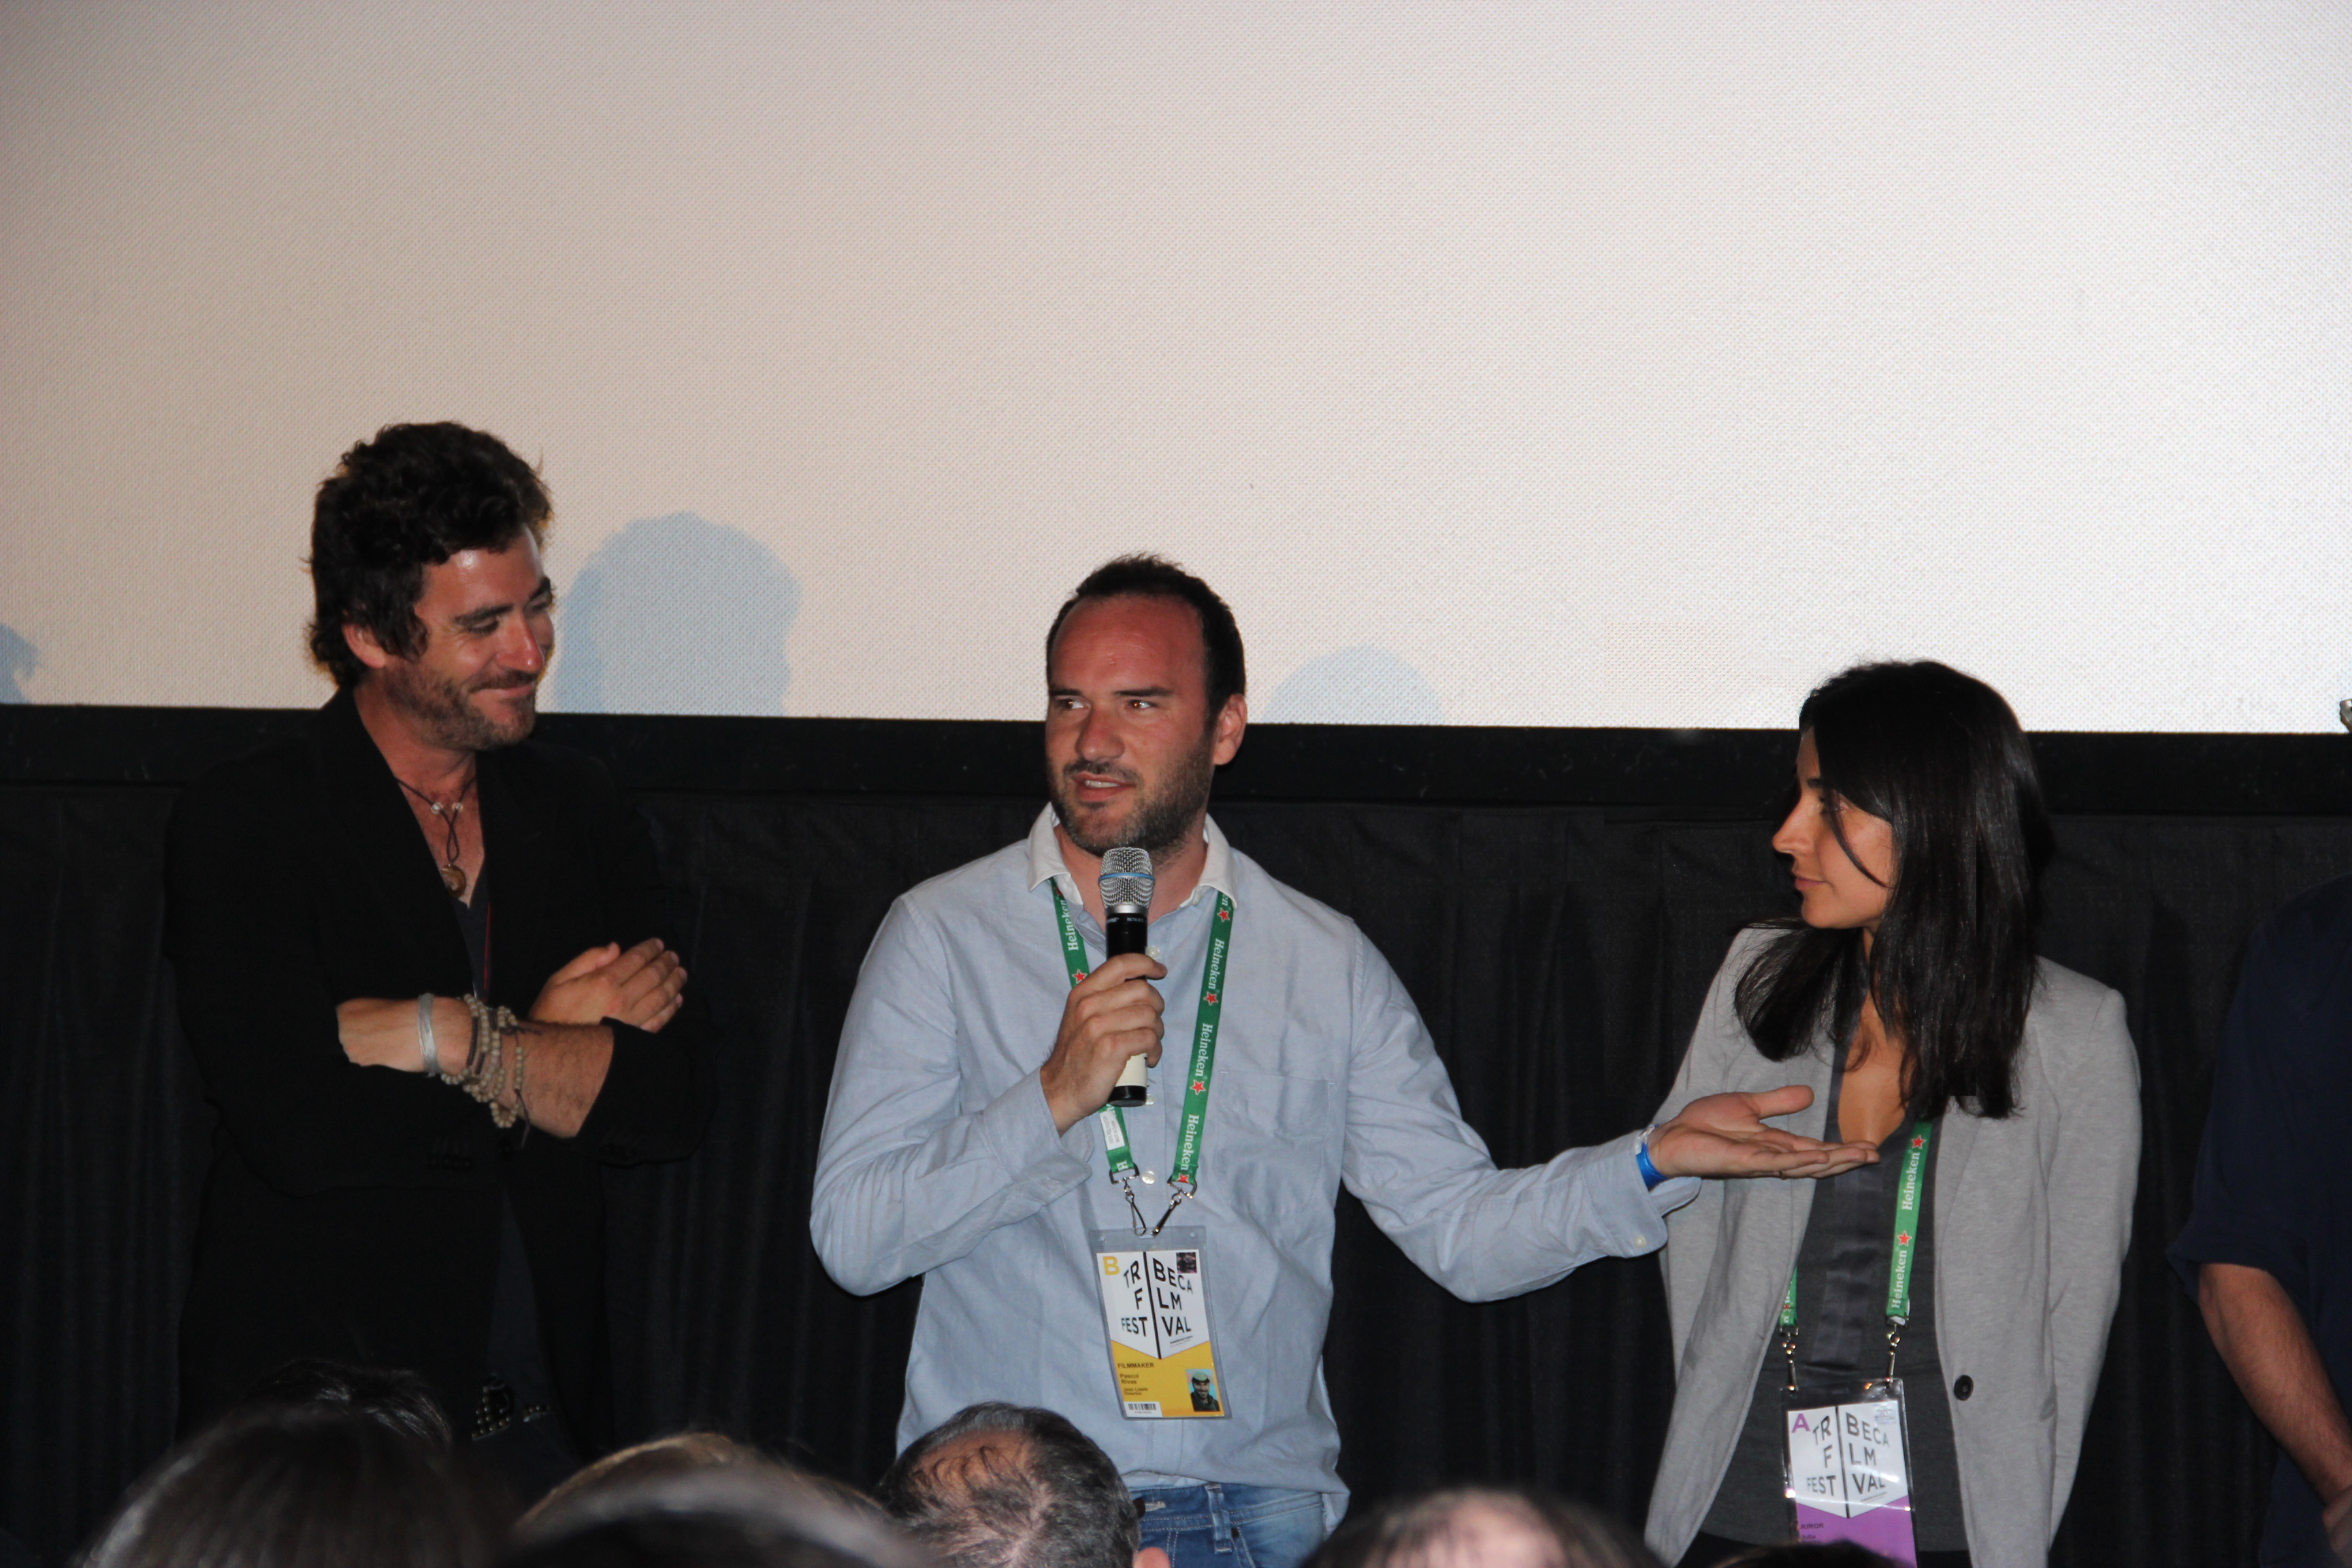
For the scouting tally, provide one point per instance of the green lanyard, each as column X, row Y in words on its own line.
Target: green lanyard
column 1116, row 1151
column 1909, row 1195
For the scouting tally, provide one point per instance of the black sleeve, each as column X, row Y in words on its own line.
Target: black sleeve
column 656, row 1093
column 244, row 929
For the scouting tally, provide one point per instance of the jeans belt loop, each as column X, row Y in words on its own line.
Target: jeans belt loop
column 1221, row 1519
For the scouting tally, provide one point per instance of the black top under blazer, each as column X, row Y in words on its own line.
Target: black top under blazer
column 353, row 1211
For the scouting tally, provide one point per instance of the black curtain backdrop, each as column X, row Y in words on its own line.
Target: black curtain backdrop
column 1555, row 901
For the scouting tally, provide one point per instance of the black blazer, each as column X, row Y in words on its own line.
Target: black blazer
column 353, row 1211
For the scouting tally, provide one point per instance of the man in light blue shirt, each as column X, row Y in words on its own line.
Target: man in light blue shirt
column 960, row 1141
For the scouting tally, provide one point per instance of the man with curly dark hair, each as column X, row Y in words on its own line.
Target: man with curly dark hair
column 418, row 962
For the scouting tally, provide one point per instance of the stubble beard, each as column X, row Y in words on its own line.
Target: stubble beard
column 443, row 709
column 1159, row 822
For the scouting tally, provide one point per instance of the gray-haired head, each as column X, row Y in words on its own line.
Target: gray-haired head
column 1006, row 1486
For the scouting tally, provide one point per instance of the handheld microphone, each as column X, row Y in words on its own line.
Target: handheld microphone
column 1125, row 888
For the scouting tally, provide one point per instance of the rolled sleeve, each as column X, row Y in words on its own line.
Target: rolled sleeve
column 2249, row 1193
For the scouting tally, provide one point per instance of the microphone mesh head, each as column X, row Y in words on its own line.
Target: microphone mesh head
column 1127, row 879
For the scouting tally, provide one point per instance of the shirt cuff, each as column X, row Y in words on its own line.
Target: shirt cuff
column 1018, row 1128
column 1667, row 1193
column 1628, row 1216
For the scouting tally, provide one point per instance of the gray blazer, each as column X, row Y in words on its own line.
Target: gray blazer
column 2032, row 1214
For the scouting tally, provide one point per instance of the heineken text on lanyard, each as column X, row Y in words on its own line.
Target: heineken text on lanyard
column 1907, row 1200
column 1185, row 1181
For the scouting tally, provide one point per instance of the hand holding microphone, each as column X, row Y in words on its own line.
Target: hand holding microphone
column 1111, row 1022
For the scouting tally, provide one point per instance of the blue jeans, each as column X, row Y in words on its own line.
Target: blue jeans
column 1224, row 1526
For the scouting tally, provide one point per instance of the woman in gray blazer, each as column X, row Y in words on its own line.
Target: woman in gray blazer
column 1907, row 996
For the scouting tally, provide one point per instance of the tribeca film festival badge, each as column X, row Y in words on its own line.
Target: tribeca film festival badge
column 1849, row 1476
column 1156, row 1306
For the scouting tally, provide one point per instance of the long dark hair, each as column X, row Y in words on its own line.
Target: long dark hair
column 1940, row 756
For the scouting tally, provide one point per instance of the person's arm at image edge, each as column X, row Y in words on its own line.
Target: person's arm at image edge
column 2242, row 1250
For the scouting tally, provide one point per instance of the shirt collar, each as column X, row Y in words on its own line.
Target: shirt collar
column 1045, row 861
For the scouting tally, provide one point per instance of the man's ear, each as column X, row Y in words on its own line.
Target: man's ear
column 1231, row 722
column 363, row 646
column 1152, row 1557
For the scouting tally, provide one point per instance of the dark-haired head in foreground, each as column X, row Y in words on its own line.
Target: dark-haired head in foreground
column 1006, row 1486
column 303, row 1487
column 755, row 1516
column 1937, row 757
column 1482, row 1527
column 400, row 1399
column 683, row 1453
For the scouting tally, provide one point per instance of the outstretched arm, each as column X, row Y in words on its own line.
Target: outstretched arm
column 1427, row 1179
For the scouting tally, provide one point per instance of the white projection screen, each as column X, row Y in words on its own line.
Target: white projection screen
column 1547, row 365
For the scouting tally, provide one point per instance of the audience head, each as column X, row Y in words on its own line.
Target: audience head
column 1919, row 835
column 754, row 1515
column 1004, row 1486
column 302, row 1486
column 1482, row 1527
column 684, row 1453
column 412, row 498
column 400, row 1399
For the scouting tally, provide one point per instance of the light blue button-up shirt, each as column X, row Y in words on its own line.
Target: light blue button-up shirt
column 940, row 1158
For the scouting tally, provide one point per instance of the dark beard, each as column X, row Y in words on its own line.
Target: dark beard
column 1159, row 821
column 439, row 705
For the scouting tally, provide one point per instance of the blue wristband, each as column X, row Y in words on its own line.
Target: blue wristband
column 1650, row 1175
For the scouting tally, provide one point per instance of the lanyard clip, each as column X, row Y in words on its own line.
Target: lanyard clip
column 1127, row 1186
column 1789, row 1349
column 1178, row 1189
column 1894, row 1327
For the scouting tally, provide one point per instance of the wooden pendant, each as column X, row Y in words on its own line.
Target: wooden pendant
column 453, row 877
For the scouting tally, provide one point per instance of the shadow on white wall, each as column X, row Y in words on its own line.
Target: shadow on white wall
column 1353, row 686
column 676, row 615
column 18, row 659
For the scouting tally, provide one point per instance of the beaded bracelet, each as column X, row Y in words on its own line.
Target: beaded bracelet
column 491, row 1076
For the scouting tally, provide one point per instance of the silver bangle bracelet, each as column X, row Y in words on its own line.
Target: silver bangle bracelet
column 426, row 1046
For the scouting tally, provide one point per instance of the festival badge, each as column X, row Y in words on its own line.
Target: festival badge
column 1156, row 1305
